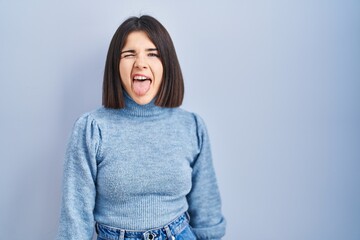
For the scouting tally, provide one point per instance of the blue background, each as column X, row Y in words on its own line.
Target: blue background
column 277, row 82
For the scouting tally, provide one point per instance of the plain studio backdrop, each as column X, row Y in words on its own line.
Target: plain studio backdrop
column 277, row 82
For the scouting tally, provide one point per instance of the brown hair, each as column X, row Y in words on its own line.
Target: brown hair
column 171, row 92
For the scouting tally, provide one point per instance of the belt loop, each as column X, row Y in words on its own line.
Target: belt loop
column 97, row 228
column 122, row 235
column 187, row 216
column 168, row 233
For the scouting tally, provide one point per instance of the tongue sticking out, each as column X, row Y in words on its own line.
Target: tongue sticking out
column 141, row 87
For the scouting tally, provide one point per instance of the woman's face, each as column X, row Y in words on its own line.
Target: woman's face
column 140, row 67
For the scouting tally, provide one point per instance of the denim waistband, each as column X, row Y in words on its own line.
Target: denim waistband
column 173, row 228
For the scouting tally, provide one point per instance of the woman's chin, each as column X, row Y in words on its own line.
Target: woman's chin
column 142, row 100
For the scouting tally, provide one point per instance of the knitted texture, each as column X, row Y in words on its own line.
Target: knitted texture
column 138, row 168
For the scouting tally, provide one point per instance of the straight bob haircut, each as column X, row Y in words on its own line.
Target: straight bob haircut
column 171, row 91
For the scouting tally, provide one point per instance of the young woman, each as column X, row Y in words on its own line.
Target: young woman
column 140, row 167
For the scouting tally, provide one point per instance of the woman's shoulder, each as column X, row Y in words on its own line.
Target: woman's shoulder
column 100, row 114
column 193, row 117
column 94, row 117
column 92, row 114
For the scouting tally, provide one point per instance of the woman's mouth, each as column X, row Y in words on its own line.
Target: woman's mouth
column 141, row 84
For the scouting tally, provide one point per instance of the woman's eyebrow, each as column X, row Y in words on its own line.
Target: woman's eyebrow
column 151, row 49
column 133, row 51
column 128, row 51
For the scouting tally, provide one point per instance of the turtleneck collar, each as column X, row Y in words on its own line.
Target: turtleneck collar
column 134, row 109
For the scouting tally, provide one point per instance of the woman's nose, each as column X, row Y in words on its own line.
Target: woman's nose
column 140, row 62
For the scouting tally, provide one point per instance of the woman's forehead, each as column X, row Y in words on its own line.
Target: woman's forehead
column 138, row 39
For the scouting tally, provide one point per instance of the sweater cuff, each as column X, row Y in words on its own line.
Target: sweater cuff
column 210, row 233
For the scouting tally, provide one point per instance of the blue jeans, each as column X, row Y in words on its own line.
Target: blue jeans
column 178, row 229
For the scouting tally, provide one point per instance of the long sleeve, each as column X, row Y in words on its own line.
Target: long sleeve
column 204, row 200
column 80, row 169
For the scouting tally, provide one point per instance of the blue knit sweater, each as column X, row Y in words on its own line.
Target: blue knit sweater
column 138, row 168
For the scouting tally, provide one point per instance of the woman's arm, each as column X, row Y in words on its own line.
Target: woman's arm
column 78, row 201
column 204, row 200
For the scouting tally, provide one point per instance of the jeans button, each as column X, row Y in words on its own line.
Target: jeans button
column 151, row 236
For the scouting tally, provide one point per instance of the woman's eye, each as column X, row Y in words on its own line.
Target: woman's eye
column 128, row 55
column 153, row 55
